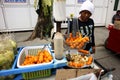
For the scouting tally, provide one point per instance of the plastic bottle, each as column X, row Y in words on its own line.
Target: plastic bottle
column 58, row 45
column 110, row 77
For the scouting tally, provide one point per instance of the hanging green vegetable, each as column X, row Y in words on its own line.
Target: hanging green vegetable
column 47, row 4
column 44, row 22
column 43, row 6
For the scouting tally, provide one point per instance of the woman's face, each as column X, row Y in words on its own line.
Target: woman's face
column 85, row 15
column 118, row 13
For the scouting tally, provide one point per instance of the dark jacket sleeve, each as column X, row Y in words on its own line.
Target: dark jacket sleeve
column 92, row 40
column 93, row 37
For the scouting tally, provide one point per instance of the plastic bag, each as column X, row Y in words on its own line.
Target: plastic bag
column 90, row 76
column 7, row 53
column 10, row 40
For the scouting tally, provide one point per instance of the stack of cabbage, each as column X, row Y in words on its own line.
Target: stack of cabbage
column 8, row 48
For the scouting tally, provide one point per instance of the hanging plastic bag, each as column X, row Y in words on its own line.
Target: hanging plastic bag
column 59, row 10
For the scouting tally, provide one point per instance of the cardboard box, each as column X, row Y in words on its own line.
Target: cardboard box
column 64, row 74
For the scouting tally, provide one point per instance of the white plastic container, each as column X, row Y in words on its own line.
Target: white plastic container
column 58, row 46
column 31, row 50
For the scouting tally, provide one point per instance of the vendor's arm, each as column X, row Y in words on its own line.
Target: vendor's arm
column 93, row 49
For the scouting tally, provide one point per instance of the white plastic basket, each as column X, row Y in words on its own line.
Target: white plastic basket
column 31, row 50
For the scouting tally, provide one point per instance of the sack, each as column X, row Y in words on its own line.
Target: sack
column 8, row 48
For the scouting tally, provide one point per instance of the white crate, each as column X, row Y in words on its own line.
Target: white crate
column 31, row 50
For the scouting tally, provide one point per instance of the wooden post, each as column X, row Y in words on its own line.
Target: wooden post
column 58, row 24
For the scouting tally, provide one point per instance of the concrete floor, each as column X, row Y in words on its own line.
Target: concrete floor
column 101, row 55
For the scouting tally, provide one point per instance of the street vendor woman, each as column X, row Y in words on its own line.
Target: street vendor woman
column 85, row 24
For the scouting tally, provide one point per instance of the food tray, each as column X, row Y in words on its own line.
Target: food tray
column 31, row 50
column 79, row 57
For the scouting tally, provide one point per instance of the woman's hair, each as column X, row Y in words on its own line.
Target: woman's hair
column 117, row 11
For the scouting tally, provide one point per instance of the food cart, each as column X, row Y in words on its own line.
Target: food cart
column 46, row 70
column 56, row 64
